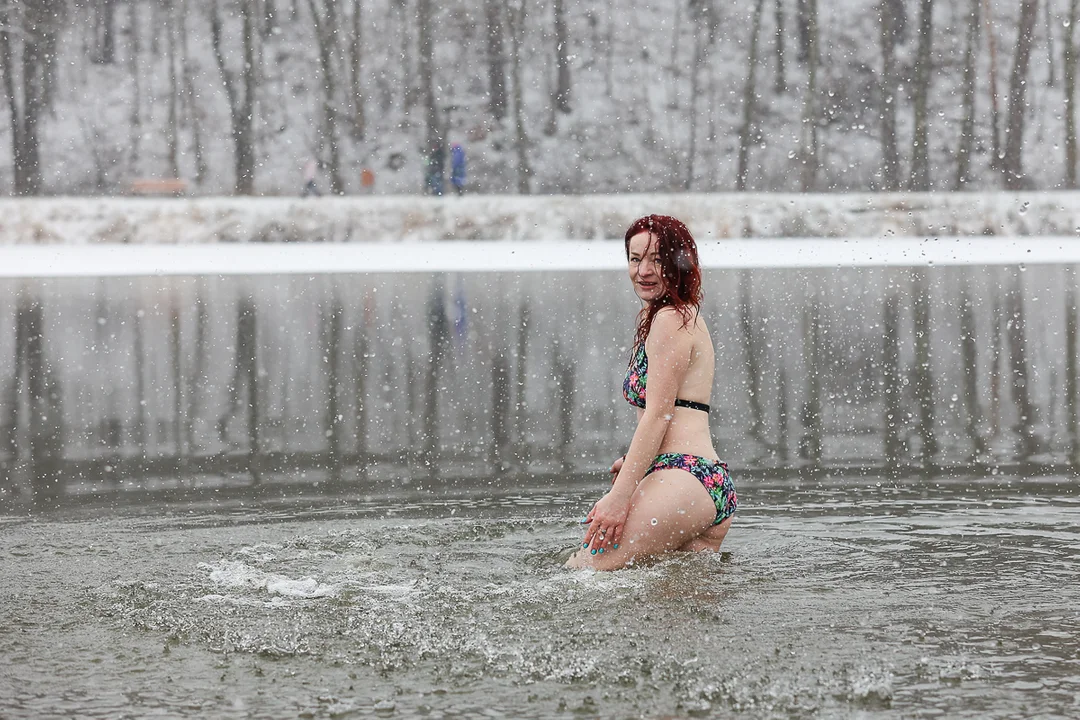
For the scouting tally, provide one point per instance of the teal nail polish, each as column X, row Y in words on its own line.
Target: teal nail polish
column 616, row 546
column 592, row 552
column 584, row 544
column 601, row 551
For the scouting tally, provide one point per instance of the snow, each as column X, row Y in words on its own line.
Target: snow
column 66, row 237
column 114, row 260
column 651, row 110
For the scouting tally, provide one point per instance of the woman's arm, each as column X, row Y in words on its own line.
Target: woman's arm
column 668, row 346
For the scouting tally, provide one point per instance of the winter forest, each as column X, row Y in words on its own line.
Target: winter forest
column 546, row 96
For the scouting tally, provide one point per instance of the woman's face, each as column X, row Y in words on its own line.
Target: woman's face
column 644, row 267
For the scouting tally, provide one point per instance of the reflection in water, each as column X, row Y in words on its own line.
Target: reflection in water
column 173, row 382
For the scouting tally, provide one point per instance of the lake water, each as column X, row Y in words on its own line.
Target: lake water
column 947, row 597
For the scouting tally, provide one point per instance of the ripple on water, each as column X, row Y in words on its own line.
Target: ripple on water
column 882, row 602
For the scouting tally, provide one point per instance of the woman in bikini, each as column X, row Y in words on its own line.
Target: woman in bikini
column 670, row 491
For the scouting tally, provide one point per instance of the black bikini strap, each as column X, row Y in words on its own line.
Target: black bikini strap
column 692, row 405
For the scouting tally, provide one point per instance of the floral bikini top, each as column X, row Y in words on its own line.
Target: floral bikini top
column 637, row 375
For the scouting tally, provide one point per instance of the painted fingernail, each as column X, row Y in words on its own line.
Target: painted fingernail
column 601, row 551
column 616, row 546
column 584, row 544
column 592, row 552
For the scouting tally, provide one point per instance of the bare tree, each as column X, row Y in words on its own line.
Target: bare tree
column 195, row 115
column 103, row 51
column 515, row 16
column 920, row 155
column 240, row 90
column 172, row 131
column 359, row 119
column 496, row 60
column 995, row 120
column 889, row 84
column 427, row 73
column 967, row 125
column 808, row 141
column 1051, row 76
column 780, row 83
column 1014, row 133
column 325, row 20
column 749, row 98
column 561, row 99
column 24, row 40
column 1069, row 61
column 269, row 18
column 134, row 65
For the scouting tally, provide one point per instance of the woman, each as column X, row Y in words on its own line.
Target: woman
column 670, row 491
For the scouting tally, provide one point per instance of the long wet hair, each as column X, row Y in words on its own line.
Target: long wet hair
column 679, row 270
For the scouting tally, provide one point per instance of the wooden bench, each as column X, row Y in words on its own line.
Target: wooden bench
column 159, row 186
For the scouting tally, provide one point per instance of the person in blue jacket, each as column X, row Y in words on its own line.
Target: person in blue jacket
column 457, row 168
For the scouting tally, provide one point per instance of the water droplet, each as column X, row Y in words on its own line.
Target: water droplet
column 653, row 521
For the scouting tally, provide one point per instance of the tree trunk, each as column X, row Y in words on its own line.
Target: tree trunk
column 134, row 67
column 245, row 140
column 695, row 92
column 1069, row 61
column 780, row 83
column 920, row 156
column 890, row 156
column 104, row 52
column 325, row 34
column 427, row 72
column 809, row 131
column 516, row 18
column 25, row 83
column 14, row 110
column 359, row 120
column 496, row 60
column 1014, row 133
column 241, row 109
column 995, row 120
column 171, row 130
column 802, row 25
column 1051, row 76
column 561, row 100
column 269, row 18
column 967, row 125
column 196, row 118
column 749, row 95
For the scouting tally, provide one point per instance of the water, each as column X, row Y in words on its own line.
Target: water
column 106, row 382
column 862, row 599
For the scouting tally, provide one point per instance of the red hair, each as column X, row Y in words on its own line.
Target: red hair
column 679, row 270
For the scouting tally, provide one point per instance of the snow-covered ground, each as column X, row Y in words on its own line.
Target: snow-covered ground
column 711, row 216
column 656, row 102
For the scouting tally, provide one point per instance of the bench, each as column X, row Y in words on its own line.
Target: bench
column 159, row 186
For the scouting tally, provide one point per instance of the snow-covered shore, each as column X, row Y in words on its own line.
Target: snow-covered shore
column 77, row 221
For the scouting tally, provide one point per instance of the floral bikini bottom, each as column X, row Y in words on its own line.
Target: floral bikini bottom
column 713, row 474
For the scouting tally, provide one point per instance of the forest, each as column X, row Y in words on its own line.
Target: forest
column 222, row 97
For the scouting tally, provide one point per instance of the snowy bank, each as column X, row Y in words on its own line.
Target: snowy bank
column 77, row 221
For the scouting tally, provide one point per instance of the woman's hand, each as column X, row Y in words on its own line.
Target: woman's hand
column 606, row 521
column 616, row 467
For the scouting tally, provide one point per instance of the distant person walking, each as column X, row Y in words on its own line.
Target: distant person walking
column 457, row 168
column 310, row 187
